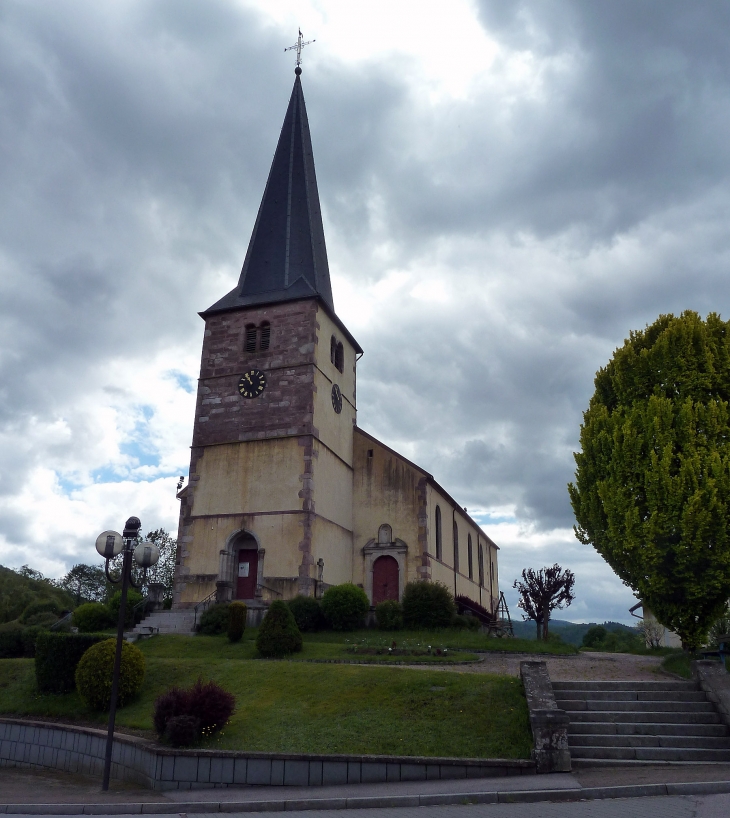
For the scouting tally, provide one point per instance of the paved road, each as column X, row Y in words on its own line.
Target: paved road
column 705, row 806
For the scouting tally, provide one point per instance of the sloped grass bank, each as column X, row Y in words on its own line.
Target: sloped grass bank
column 315, row 708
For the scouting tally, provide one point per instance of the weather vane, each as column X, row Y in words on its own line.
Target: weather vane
column 299, row 45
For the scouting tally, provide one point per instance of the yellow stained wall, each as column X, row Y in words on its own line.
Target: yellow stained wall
column 443, row 571
column 332, row 487
column 333, row 544
column 258, row 475
column 385, row 491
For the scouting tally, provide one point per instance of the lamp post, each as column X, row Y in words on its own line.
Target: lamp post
column 110, row 544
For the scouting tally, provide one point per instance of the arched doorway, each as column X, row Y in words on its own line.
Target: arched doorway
column 247, row 568
column 385, row 579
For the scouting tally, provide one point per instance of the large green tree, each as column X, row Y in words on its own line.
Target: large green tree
column 652, row 484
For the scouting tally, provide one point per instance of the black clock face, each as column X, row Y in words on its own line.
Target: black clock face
column 252, row 383
column 336, row 398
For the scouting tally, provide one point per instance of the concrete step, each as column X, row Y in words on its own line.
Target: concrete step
column 632, row 686
column 645, row 717
column 650, row 754
column 176, row 622
column 575, row 705
column 631, row 695
column 696, row 742
column 652, row 729
column 632, row 762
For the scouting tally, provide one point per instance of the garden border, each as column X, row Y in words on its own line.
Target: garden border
column 37, row 744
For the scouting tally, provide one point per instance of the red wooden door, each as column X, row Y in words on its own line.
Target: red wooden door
column 248, row 564
column 385, row 579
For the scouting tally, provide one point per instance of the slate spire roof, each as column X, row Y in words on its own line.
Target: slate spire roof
column 286, row 258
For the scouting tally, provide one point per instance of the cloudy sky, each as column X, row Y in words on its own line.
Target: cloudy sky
column 508, row 189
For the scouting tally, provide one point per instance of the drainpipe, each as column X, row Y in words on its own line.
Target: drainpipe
column 454, row 545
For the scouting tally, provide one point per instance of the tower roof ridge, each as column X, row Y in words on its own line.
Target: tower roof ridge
column 286, row 258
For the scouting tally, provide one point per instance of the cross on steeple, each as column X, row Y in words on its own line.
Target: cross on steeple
column 299, row 45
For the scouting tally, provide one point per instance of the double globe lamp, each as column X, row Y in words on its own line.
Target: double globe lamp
column 110, row 544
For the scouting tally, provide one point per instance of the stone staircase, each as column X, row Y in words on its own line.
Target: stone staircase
column 634, row 723
column 163, row 622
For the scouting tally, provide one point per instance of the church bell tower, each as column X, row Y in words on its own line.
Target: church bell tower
column 267, row 512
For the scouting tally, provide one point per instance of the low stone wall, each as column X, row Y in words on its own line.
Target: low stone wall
column 548, row 722
column 81, row 750
column 715, row 681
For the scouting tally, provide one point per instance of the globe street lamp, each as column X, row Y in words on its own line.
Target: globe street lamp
column 110, row 544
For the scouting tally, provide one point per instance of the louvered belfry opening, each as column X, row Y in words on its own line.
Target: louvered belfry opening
column 251, row 334
column 265, row 336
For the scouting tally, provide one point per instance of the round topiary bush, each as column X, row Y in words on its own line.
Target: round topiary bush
column 278, row 634
column 92, row 617
column 344, row 606
column 389, row 615
column 427, row 605
column 236, row 621
column 307, row 612
column 214, row 621
column 94, row 674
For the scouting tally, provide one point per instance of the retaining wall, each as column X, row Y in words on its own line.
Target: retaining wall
column 81, row 750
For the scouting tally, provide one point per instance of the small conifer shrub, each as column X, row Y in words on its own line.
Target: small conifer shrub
column 94, row 674
column 278, row 634
column 236, row 621
column 40, row 606
column 427, row 605
column 344, row 606
column 307, row 613
column 389, row 615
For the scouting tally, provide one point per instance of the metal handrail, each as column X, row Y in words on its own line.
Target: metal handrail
column 204, row 603
column 61, row 621
column 273, row 590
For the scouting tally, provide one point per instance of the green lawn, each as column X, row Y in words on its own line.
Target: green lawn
column 296, row 706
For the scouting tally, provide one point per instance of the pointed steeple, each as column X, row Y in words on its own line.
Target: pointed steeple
column 286, row 258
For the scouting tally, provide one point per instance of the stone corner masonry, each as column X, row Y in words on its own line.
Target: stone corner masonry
column 548, row 722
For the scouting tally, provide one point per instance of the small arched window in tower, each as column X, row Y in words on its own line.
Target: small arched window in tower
column 456, row 547
column 251, row 334
column 340, row 357
column 333, row 349
column 265, row 336
column 469, row 557
column 480, row 560
column 439, row 549
column 385, row 535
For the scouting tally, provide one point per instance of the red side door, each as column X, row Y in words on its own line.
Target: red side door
column 385, row 579
column 248, row 563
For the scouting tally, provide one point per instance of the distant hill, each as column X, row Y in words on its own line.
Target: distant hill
column 18, row 591
column 570, row 632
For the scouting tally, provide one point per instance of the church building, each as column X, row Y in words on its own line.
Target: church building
column 287, row 495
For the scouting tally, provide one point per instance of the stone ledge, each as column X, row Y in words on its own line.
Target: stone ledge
column 36, row 744
column 548, row 722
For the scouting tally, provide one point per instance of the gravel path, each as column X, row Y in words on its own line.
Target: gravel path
column 575, row 667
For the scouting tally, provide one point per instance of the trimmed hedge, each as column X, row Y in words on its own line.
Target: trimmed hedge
column 278, row 635
column 236, row 621
column 214, row 620
column 19, row 643
column 57, row 656
column 95, row 670
column 92, row 617
column 427, row 605
column 344, row 606
column 307, row 613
